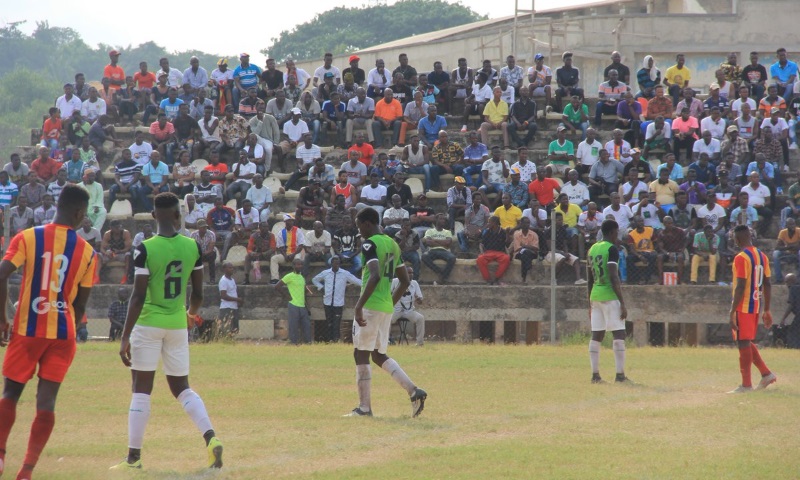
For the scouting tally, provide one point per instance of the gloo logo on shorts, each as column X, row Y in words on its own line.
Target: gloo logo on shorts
column 40, row 305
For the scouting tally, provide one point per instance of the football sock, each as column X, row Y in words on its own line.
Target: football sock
column 745, row 360
column 757, row 361
column 40, row 432
column 209, row 435
column 194, row 406
column 619, row 355
column 8, row 413
column 138, row 415
column 594, row 355
column 399, row 376
column 364, row 382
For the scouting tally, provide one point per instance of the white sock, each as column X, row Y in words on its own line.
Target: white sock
column 619, row 355
column 364, row 382
column 194, row 406
column 594, row 355
column 399, row 376
column 138, row 415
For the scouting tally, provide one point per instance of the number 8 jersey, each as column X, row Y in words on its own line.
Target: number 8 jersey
column 55, row 261
column 386, row 252
column 169, row 261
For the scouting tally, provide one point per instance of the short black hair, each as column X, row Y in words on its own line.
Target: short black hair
column 609, row 226
column 72, row 197
column 741, row 228
column 165, row 200
column 370, row 215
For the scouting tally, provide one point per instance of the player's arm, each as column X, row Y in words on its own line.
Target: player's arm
column 589, row 277
column 401, row 274
column 738, row 293
column 613, row 273
column 767, row 299
column 196, row 298
column 368, row 249
column 79, row 304
column 135, row 303
column 6, row 269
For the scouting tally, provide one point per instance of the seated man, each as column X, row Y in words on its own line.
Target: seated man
column 522, row 119
column 289, row 245
column 670, row 245
column 760, row 198
column 476, row 219
column 393, row 217
column 260, row 248
column 243, row 172
column 568, row 79
column 525, row 247
column 317, row 247
column 260, row 196
column 494, row 173
column 559, row 253
column 46, row 212
column 206, row 239
column 116, row 245
column 155, row 178
column 408, row 241
column 575, row 116
column 609, row 95
column 373, row 195
column 493, row 248
column 705, row 246
column 346, row 244
column 561, row 153
column 629, row 118
column 221, row 219
column 306, row 155
column 406, row 307
column 604, row 175
column 439, row 240
column 787, row 249
column 476, row 102
column 388, row 116
column 641, row 248
column 657, row 136
column 495, row 117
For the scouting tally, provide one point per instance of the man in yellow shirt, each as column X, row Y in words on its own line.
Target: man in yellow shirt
column 676, row 78
column 388, row 115
column 665, row 190
column 508, row 213
column 495, row 117
column 570, row 212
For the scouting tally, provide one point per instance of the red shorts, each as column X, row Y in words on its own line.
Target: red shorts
column 52, row 355
column 748, row 324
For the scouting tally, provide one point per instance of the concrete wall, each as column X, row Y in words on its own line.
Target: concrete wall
column 264, row 311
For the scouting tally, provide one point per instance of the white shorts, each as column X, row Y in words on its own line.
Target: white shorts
column 571, row 259
column 606, row 316
column 149, row 344
column 538, row 92
column 375, row 335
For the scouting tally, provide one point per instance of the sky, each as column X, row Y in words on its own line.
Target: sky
column 166, row 30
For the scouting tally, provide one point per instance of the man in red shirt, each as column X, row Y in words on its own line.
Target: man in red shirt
column 217, row 169
column 542, row 188
column 46, row 168
column 114, row 72
column 366, row 150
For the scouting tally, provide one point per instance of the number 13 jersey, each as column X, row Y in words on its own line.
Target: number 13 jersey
column 169, row 261
column 386, row 252
column 600, row 255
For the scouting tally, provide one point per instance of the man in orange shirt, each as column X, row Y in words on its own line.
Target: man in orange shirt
column 114, row 72
column 388, row 115
column 365, row 149
column 542, row 188
column 751, row 280
column 144, row 79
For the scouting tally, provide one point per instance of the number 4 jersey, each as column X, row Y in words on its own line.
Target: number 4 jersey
column 169, row 261
column 55, row 261
column 386, row 251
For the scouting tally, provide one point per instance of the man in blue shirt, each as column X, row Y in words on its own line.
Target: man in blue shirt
column 430, row 126
column 334, row 118
column 155, row 175
column 245, row 76
column 474, row 155
column 784, row 74
column 171, row 104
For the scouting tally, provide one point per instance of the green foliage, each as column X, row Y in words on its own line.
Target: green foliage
column 344, row 30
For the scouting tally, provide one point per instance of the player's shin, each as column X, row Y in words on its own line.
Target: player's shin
column 745, row 361
column 619, row 355
column 138, row 416
column 8, row 414
column 399, row 376
column 594, row 355
column 757, row 361
column 364, row 382
column 41, row 429
column 193, row 405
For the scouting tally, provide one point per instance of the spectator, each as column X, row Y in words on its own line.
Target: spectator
column 45, row 167
column 73, row 169
column 438, row 240
column 616, row 64
column 576, row 115
column 232, row 131
column 609, row 93
column 68, row 104
column 650, row 213
column 657, row 136
column 126, row 176
column 334, row 119
column 280, row 107
column 536, row 215
column 360, row 112
column 568, row 79
column 117, row 312
column 618, row 148
column 760, row 198
column 45, row 213
column 17, row 170
column 494, row 242
column 588, row 152
column 641, row 249
column 206, row 240
column 221, row 219
column 793, row 204
column 317, row 247
column 543, row 187
column 243, row 172
column 8, row 191
column 247, row 221
column 784, row 74
column 561, row 152
column 406, row 307
column 769, row 146
column 197, row 106
column 744, row 214
column 33, row 191
column 508, row 214
column 780, row 132
column 705, row 172
column 477, row 100
column 494, row 173
column 527, row 169
column 21, row 216
column 630, row 190
column 589, row 224
column 206, row 193
column 629, row 117
column 684, row 133
column 310, row 114
column 540, row 77
column 495, row 116
column 416, row 160
column 399, row 187
column 394, row 216
column 683, row 214
column 677, row 78
column 333, row 282
column 525, row 247
column 604, row 175
column 260, row 247
column 268, row 135
column 400, row 90
column 705, row 246
column 522, row 118
column 97, row 210
column 570, row 213
column 289, row 245
column 164, row 137
column 346, row 244
column 447, row 157
column 93, row 107
column 622, row 213
column 409, row 243
column 365, row 150
column 388, row 116
column 648, row 77
column 184, row 174
column 646, row 172
column 787, row 249
column 576, row 191
column 116, row 245
column 260, row 196
column 715, row 100
column 229, row 299
column 671, row 243
column 659, row 105
column 155, row 176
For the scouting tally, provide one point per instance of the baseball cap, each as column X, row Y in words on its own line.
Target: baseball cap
column 222, row 61
column 288, row 216
column 561, row 128
column 775, row 110
column 733, row 128
column 296, row 111
column 459, row 180
column 714, row 86
column 113, row 53
column 635, row 150
column 328, row 75
column 202, row 223
column 422, row 195
column 353, row 58
column 244, row 54
column 538, row 56
column 515, row 171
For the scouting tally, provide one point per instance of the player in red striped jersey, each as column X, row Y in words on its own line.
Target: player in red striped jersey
column 57, row 273
column 751, row 287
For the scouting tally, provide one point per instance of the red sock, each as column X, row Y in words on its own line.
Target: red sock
column 8, row 413
column 745, row 360
column 40, row 433
column 760, row 365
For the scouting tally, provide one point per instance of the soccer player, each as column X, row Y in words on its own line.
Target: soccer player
column 156, row 327
column 607, row 307
column 58, row 269
column 373, row 313
column 751, row 287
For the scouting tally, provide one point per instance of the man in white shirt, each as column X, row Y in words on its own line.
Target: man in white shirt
column 333, row 282
column 260, row 196
column 327, row 67
column 714, row 123
column 140, row 150
column 406, row 307
column 174, row 76
column 373, row 195
column 744, row 94
column 378, row 79
column 760, row 199
column 68, row 103
column 708, row 145
column 93, row 107
column 712, row 213
column 588, row 152
column 243, row 173
column 295, row 128
column 229, row 300
column 576, row 190
column 621, row 212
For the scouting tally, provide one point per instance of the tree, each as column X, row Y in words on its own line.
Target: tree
column 344, row 30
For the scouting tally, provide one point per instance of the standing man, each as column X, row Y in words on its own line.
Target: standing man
column 44, row 337
column 229, row 299
column 751, row 280
column 155, row 328
column 607, row 310
column 406, row 307
column 373, row 313
column 333, row 283
column 299, row 317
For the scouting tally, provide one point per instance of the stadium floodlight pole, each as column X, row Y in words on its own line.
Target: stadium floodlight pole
column 553, row 264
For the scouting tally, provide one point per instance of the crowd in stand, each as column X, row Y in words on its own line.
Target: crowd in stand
column 722, row 161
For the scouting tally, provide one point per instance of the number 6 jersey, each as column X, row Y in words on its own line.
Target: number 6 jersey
column 386, row 252
column 169, row 261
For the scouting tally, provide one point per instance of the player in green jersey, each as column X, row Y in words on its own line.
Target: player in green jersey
column 373, row 313
column 607, row 308
column 156, row 328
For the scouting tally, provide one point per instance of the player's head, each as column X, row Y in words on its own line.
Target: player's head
column 367, row 222
column 297, row 263
column 742, row 235
column 610, row 228
column 72, row 205
column 166, row 211
column 227, row 268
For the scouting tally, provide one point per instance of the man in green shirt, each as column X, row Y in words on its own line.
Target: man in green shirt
column 299, row 318
column 561, row 152
column 575, row 116
column 155, row 328
column 373, row 313
column 607, row 310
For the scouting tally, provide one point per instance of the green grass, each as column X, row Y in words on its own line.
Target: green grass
column 494, row 412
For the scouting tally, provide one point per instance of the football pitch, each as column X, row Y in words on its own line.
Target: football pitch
column 493, row 412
